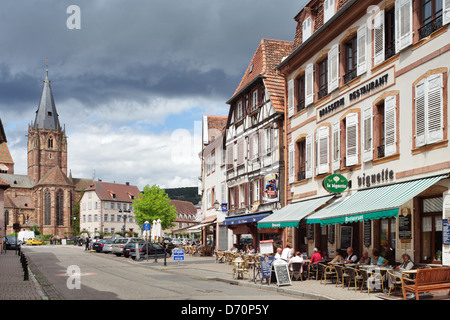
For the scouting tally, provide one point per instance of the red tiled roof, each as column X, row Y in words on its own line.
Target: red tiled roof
column 122, row 191
column 5, row 156
column 268, row 55
column 185, row 207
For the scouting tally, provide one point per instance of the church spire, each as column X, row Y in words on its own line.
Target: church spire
column 46, row 115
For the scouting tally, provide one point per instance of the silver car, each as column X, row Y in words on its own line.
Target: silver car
column 119, row 244
column 107, row 246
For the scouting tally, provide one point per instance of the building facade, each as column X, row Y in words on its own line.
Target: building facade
column 254, row 144
column 213, row 184
column 367, row 101
column 106, row 208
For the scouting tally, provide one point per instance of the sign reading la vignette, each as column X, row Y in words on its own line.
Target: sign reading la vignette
column 335, row 183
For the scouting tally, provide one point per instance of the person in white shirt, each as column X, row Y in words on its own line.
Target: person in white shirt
column 278, row 254
column 286, row 254
column 351, row 257
column 297, row 258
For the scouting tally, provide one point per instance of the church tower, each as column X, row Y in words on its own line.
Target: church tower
column 47, row 141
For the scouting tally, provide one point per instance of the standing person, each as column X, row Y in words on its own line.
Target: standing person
column 87, row 244
column 388, row 253
column 286, row 254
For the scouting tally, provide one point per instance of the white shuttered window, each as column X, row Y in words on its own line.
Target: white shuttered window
column 308, row 157
column 333, row 68
column 403, row 24
column 323, row 150
column 290, row 98
column 309, row 84
column 368, row 134
column 390, row 123
column 362, row 50
column 336, row 158
column 351, row 139
column 378, row 34
column 429, row 110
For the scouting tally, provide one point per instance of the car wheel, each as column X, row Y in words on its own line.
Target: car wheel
column 118, row 254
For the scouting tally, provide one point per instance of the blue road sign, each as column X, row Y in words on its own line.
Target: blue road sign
column 178, row 254
column 146, row 226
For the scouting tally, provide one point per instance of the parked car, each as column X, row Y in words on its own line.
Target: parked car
column 107, row 246
column 34, row 241
column 152, row 249
column 11, row 243
column 176, row 242
column 131, row 244
column 100, row 244
column 119, row 244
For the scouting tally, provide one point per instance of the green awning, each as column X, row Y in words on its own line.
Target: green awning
column 290, row 215
column 375, row 203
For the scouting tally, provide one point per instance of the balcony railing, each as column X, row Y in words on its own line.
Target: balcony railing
column 380, row 151
column 350, row 75
column 322, row 93
column 430, row 27
column 390, row 50
column 301, row 175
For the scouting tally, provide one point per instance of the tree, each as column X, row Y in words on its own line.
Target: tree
column 153, row 204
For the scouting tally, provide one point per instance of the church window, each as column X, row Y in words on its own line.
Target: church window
column 50, row 143
column 59, row 208
column 47, row 207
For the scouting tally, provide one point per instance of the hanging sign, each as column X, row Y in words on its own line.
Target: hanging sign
column 335, row 183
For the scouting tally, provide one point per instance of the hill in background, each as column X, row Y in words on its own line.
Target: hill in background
column 185, row 194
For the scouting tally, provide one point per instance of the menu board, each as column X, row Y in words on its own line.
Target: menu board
column 404, row 226
column 446, row 231
column 310, row 233
column 367, row 233
column 266, row 266
column 346, row 237
column 282, row 274
column 331, row 233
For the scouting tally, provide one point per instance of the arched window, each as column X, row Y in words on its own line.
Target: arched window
column 47, row 207
column 59, row 207
column 50, row 143
column 6, row 217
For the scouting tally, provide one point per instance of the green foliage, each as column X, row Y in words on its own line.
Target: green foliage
column 153, row 204
column 186, row 194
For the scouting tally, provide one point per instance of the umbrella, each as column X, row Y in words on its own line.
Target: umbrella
column 158, row 231
column 152, row 235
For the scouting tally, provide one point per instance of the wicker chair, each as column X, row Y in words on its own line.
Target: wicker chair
column 326, row 272
column 341, row 275
column 394, row 280
column 354, row 276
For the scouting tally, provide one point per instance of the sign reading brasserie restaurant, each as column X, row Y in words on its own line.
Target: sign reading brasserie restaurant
column 335, row 183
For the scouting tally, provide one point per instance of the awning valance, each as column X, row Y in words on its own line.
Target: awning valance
column 290, row 215
column 375, row 203
column 244, row 219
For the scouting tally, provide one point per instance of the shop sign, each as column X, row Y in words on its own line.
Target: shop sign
column 446, row 231
column 367, row 180
column 271, row 187
column 335, row 183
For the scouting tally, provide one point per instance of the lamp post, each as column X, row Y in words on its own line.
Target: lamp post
column 124, row 219
column 74, row 230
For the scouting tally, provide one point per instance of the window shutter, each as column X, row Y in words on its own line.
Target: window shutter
column 251, row 147
column 291, row 164
column 420, row 113
column 333, row 68
column 368, row 135
column 351, row 138
column 445, row 12
column 378, row 32
column 434, row 108
column 328, row 9
column 309, row 84
column 308, row 157
column 290, row 98
column 307, row 28
column 324, row 137
column 336, row 146
column 361, row 50
column 390, row 125
column 403, row 24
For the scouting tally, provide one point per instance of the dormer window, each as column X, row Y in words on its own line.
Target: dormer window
column 307, row 28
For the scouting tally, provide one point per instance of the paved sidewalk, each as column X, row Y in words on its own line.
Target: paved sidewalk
column 13, row 287
column 205, row 268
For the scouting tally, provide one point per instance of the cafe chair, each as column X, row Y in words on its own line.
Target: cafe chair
column 370, row 278
column 354, row 277
column 326, row 272
column 394, row 281
column 296, row 270
column 341, row 275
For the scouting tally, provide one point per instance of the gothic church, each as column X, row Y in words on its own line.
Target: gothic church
column 44, row 197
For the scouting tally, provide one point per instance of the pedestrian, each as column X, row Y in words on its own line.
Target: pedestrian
column 87, row 244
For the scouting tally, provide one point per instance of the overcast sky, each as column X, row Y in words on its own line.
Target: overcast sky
column 132, row 84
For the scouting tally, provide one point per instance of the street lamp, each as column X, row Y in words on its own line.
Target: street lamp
column 124, row 219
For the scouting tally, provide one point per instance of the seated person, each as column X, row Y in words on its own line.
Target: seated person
column 407, row 264
column 316, row 257
column 278, row 254
column 297, row 258
column 365, row 259
column 379, row 260
column 338, row 258
column 351, row 257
